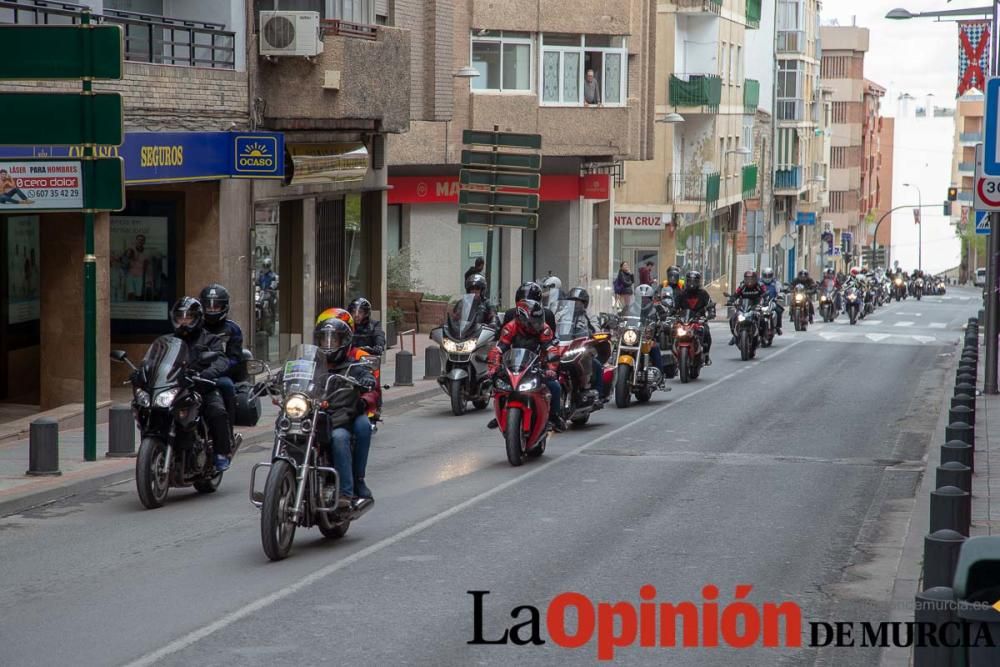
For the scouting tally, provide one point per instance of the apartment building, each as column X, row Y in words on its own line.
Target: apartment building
column 969, row 126
column 530, row 62
column 705, row 162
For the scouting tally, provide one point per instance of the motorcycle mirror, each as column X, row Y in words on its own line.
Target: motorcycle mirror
column 119, row 355
column 256, row 367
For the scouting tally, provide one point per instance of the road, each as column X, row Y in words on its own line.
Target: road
column 790, row 473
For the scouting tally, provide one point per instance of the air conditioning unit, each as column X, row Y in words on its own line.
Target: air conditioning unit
column 290, row 34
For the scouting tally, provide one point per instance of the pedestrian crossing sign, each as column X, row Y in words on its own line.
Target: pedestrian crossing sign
column 982, row 222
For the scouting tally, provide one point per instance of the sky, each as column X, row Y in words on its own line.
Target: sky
column 917, row 56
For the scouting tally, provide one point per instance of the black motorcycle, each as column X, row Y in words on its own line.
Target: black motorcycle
column 828, row 304
column 852, row 303
column 746, row 328
column 799, row 310
column 175, row 450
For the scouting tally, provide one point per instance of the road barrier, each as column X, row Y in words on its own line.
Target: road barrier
column 953, row 473
column 43, row 447
column 432, row 363
column 951, row 509
column 940, row 557
column 121, row 432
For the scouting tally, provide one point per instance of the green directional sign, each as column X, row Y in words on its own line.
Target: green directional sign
column 104, row 184
column 501, row 161
column 502, row 199
column 499, row 180
column 498, row 219
column 507, row 139
column 58, row 119
column 61, row 51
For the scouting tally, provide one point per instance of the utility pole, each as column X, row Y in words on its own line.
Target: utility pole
column 993, row 256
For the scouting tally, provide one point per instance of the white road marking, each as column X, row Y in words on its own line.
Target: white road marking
column 938, row 325
column 904, row 324
column 924, row 339
column 876, row 337
column 187, row 640
column 868, row 323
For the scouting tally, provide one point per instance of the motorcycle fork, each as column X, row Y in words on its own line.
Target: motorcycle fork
column 303, row 475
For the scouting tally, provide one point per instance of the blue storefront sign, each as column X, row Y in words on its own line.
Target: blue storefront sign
column 803, row 218
column 164, row 157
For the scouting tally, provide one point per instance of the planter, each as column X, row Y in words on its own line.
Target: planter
column 409, row 303
column 391, row 334
column 431, row 314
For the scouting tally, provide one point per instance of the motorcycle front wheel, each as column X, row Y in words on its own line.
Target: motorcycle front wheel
column 744, row 345
column 276, row 529
column 151, row 480
column 623, row 381
column 514, row 437
column 457, row 400
column 684, row 366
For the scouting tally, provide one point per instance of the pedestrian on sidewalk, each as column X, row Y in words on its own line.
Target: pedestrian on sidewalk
column 623, row 285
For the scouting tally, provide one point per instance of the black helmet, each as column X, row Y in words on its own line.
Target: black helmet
column 673, row 276
column 359, row 306
column 187, row 317
column 829, row 272
column 767, row 276
column 333, row 338
column 579, row 295
column 215, row 300
column 750, row 278
column 476, row 281
column 693, row 280
column 529, row 290
column 803, row 275
column 531, row 315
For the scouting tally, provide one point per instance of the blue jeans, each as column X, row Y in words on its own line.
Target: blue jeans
column 350, row 467
column 227, row 389
column 555, row 401
column 362, row 429
column 598, row 378
column 656, row 357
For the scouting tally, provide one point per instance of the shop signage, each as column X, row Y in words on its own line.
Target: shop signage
column 57, row 185
column 444, row 189
column 803, row 218
column 630, row 220
column 595, row 186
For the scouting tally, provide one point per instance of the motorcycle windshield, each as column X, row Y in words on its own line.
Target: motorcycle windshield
column 301, row 369
column 553, row 298
column 568, row 325
column 518, row 360
column 462, row 317
column 746, row 305
column 164, row 361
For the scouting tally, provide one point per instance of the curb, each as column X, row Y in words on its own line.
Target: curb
column 31, row 500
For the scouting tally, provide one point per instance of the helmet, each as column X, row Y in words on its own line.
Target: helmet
column 673, row 276
column 767, row 276
column 333, row 338
column 215, row 300
column 749, row 278
column 854, row 271
column 803, row 275
column 551, row 283
column 187, row 317
column 476, row 281
column 580, row 295
column 693, row 280
column 266, row 263
column 645, row 293
column 358, row 307
column 830, row 272
column 531, row 315
column 528, row 290
column 336, row 314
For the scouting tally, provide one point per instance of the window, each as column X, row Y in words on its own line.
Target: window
column 566, row 59
column 724, row 60
column 790, row 90
column 503, row 60
column 355, row 11
column 739, row 65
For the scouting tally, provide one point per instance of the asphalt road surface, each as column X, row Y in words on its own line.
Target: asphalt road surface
column 788, row 473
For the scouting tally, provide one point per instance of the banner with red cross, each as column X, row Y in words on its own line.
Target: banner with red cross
column 973, row 55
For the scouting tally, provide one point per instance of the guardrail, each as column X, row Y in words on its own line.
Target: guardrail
column 348, row 29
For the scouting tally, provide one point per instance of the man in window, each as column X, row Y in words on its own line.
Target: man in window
column 591, row 89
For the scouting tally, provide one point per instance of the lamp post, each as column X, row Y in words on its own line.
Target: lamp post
column 920, row 228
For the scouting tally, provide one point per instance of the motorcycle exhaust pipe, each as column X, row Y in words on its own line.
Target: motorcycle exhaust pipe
column 361, row 506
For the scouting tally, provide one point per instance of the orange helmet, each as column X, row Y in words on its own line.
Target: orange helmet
column 336, row 313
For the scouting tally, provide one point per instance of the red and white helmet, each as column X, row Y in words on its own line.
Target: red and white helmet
column 855, row 270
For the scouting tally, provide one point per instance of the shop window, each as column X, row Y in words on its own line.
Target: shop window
column 503, row 60
column 23, row 263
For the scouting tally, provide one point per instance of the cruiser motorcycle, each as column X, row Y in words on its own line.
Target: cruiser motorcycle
column 635, row 373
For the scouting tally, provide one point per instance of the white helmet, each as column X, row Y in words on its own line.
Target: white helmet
column 644, row 291
column 551, row 283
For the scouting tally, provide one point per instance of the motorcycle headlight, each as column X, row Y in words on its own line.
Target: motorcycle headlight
column 465, row 347
column 142, row 398
column 530, row 385
column 799, row 297
column 899, row 281
column 741, row 318
column 630, row 337
column 852, row 297
column 296, row 406
column 501, row 383
column 823, row 299
column 681, row 332
column 165, row 398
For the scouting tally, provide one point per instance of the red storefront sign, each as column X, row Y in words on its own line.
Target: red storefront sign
column 444, row 189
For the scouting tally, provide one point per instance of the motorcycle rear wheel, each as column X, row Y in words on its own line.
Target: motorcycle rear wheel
column 514, row 437
column 331, row 529
column 623, row 380
column 152, row 487
column 276, row 531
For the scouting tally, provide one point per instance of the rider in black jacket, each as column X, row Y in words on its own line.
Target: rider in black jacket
column 750, row 289
column 803, row 279
column 698, row 301
column 368, row 333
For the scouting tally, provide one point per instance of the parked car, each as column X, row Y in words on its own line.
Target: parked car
column 980, row 279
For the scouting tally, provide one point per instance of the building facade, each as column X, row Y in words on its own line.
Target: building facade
column 969, row 126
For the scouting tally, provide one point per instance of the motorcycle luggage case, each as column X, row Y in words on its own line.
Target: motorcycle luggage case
column 247, row 410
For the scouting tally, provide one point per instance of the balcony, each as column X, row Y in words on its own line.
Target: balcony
column 688, row 188
column 749, row 181
column 791, row 110
column 965, row 196
column 791, row 41
column 753, row 14
column 788, row 179
column 970, row 137
column 699, row 6
column 696, row 90
column 751, row 95
column 966, row 167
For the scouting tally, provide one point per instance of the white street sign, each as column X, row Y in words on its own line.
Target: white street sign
column 991, row 138
column 31, row 184
column 987, row 188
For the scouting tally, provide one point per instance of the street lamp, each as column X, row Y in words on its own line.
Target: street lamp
column 467, row 72
column 672, row 117
column 920, row 228
column 900, row 14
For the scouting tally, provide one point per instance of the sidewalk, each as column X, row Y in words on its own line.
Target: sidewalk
column 19, row 491
column 986, row 481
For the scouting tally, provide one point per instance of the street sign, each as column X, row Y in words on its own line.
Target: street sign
column 57, row 119
column 991, row 138
column 506, row 139
column 497, row 219
column 787, row 242
column 61, row 51
column 494, row 199
column 62, row 185
column 501, row 161
column 982, row 222
column 987, row 188
column 499, row 179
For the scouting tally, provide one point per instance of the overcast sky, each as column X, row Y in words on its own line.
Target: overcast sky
column 917, row 56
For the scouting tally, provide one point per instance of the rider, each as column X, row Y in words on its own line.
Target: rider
column 803, row 279
column 551, row 291
column 831, row 283
column 267, row 277
column 582, row 326
column 347, row 411
column 531, row 291
column 368, row 333
column 215, row 300
column 355, row 354
column 698, row 301
column 487, row 313
column 187, row 318
column 528, row 330
column 652, row 312
column 773, row 289
column 750, row 289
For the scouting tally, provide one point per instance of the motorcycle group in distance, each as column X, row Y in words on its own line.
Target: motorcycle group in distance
column 544, row 364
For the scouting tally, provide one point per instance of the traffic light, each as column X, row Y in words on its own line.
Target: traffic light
column 952, row 194
column 947, row 209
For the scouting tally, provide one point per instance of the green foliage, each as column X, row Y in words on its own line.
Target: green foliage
column 400, row 269
column 395, row 314
column 436, row 297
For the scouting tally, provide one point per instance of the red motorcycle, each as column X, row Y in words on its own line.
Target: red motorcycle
column 521, row 404
column 575, row 348
column 688, row 333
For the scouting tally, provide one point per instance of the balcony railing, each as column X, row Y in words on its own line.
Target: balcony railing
column 348, row 29
column 788, row 179
column 149, row 38
column 749, row 181
column 970, row 137
column 693, row 187
column 699, row 6
column 791, row 41
column 967, row 167
column 696, row 90
column 751, row 95
column 753, row 14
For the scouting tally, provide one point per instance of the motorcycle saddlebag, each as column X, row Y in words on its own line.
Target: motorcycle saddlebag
column 247, row 409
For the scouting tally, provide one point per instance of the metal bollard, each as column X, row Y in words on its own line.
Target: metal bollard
column 960, row 431
column 404, row 369
column 121, row 432
column 953, row 473
column 960, row 452
column 965, row 388
column 963, row 415
column 964, row 400
column 951, row 509
column 964, row 377
column 432, row 363
column 940, row 557
column 935, row 606
column 43, row 447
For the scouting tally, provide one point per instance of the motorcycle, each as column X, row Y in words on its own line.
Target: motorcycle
column 575, row 348
column 746, row 327
column 852, row 303
column 898, row 289
column 918, row 288
column 800, row 308
column 465, row 345
column 266, row 306
column 175, row 449
column 688, row 335
column 303, row 487
column 521, row 405
column 768, row 321
column 635, row 373
column 828, row 304
column 868, row 307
